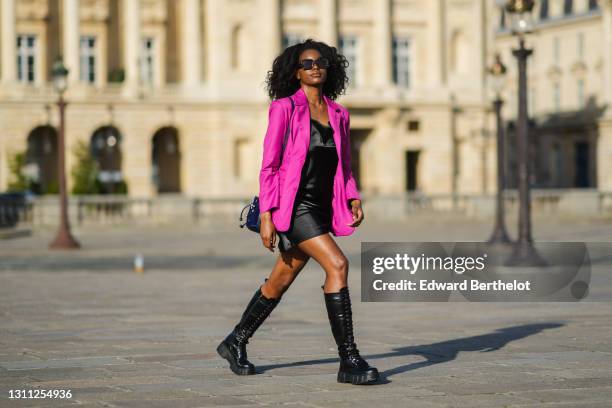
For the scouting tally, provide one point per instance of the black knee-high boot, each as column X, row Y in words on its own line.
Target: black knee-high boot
column 353, row 368
column 233, row 347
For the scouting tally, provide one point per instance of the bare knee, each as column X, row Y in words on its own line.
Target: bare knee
column 339, row 267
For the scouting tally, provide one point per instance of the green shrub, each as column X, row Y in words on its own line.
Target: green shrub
column 85, row 171
column 52, row 188
column 116, row 75
column 18, row 180
column 121, row 188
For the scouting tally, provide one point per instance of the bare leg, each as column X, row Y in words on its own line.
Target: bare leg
column 288, row 266
column 353, row 368
column 326, row 252
column 265, row 299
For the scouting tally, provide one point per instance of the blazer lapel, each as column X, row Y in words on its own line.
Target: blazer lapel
column 303, row 120
column 334, row 114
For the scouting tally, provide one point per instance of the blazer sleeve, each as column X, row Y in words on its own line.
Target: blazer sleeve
column 269, row 183
column 351, row 185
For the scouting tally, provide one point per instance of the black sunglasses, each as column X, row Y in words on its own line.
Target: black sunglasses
column 308, row 63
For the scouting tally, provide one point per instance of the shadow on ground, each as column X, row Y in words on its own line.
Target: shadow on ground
column 441, row 352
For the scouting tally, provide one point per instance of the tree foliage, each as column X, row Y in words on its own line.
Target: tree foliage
column 18, row 180
column 85, row 171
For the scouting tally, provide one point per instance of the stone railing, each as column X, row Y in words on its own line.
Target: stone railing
column 179, row 209
column 568, row 202
column 111, row 209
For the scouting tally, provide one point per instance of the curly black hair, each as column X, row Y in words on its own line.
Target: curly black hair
column 281, row 80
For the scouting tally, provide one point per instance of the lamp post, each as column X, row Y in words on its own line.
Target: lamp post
column 63, row 239
column 524, row 252
column 498, row 74
column 455, row 111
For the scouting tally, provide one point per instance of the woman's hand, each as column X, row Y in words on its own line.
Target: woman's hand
column 357, row 213
column 267, row 231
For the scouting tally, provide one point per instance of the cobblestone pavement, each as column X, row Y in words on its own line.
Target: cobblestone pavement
column 85, row 321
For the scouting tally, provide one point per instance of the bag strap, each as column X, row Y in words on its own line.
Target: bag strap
column 287, row 131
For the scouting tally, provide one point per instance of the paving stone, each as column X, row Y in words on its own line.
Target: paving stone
column 579, row 394
column 86, row 322
column 69, row 362
column 584, row 404
column 183, row 402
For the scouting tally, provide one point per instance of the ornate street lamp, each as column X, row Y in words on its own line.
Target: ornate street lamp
column 520, row 15
column 497, row 74
column 64, row 239
column 455, row 111
column 524, row 252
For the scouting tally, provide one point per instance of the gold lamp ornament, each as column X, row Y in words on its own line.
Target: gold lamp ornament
column 520, row 12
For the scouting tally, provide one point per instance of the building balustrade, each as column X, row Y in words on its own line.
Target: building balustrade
column 177, row 208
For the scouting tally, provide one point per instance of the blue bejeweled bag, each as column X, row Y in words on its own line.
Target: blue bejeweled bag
column 253, row 222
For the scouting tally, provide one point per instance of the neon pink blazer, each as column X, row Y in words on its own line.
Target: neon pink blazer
column 278, row 186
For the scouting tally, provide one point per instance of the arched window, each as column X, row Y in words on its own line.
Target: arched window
column 41, row 160
column 166, row 158
column 106, row 150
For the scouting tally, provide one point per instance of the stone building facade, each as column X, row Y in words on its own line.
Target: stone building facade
column 569, row 86
column 169, row 95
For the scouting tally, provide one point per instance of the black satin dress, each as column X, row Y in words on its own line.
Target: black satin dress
column 313, row 201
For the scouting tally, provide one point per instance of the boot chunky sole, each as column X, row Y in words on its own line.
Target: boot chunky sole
column 361, row 378
column 353, row 368
column 233, row 347
column 224, row 352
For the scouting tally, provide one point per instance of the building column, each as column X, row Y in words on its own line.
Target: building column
column 604, row 140
column 481, row 43
column 607, row 46
column 216, row 47
column 70, row 34
column 191, row 56
column 383, row 41
column 274, row 32
column 603, row 154
column 9, row 41
column 436, row 44
column 328, row 23
column 131, row 41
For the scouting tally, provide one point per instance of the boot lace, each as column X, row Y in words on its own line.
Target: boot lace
column 244, row 333
column 349, row 346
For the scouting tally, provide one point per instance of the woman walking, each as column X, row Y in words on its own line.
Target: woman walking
column 306, row 193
